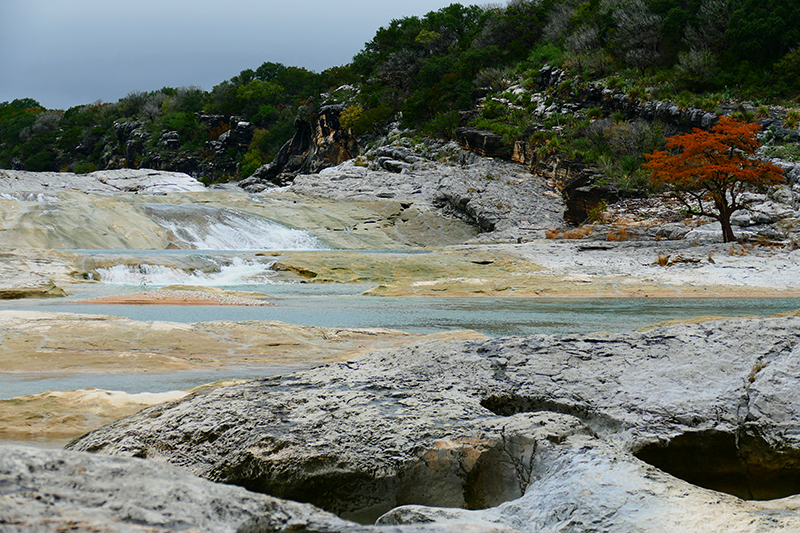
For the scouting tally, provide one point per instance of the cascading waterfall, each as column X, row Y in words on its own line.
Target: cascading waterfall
column 210, row 228
column 236, row 272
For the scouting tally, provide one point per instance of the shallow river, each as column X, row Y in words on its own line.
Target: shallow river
column 344, row 306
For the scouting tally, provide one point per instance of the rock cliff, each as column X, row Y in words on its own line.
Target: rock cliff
column 318, row 142
column 645, row 431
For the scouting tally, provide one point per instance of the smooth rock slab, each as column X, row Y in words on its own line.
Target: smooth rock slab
column 550, row 425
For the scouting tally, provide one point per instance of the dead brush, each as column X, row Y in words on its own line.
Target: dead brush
column 577, row 233
column 738, row 250
column 552, row 234
column 663, row 260
column 618, row 234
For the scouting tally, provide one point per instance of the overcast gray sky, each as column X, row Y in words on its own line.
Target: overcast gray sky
column 65, row 53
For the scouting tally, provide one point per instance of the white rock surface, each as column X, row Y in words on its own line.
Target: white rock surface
column 102, row 181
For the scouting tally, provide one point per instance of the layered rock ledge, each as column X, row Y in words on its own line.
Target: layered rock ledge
column 541, row 433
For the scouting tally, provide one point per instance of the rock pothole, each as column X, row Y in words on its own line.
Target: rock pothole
column 512, row 404
column 743, row 465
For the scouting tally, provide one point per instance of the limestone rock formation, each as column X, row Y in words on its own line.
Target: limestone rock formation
column 619, row 102
column 49, row 290
column 319, row 142
column 500, row 199
column 541, row 433
column 485, row 143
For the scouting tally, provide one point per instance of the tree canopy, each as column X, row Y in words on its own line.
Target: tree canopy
column 427, row 71
column 715, row 166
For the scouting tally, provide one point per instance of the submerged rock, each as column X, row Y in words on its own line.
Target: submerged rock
column 536, row 433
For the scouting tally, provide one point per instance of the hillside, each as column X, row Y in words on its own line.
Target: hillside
column 720, row 56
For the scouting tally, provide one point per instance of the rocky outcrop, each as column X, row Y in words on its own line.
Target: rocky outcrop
column 499, row 198
column 48, row 291
column 319, row 142
column 595, row 95
column 483, row 142
column 542, row 433
column 578, row 184
column 102, row 181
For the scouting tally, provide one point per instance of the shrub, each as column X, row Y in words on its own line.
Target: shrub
column 493, row 110
column 84, row 168
column 596, row 214
column 546, row 54
column 595, row 112
column 252, row 160
column 792, row 118
column 349, row 118
column 496, row 79
column 442, row 125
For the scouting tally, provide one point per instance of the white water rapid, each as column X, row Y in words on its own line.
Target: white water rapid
column 210, row 228
column 237, row 271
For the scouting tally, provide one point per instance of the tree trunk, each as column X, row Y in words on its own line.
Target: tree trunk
column 727, row 229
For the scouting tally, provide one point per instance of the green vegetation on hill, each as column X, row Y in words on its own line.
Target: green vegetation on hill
column 428, row 71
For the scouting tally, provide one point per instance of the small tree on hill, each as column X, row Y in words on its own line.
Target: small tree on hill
column 714, row 166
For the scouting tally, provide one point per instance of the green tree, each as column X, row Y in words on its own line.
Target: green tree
column 762, row 31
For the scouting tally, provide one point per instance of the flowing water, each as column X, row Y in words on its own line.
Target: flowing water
column 209, row 228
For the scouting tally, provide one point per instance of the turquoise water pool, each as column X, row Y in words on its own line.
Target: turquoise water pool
column 344, row 306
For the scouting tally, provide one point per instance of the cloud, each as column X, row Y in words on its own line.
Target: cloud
column 69, row 53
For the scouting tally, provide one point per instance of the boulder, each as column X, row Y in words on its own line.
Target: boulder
column 681, row 427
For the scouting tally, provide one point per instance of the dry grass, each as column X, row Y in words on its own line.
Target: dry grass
column 738, row 250
column 576, row 233
column 618, row 234
column 663, row 260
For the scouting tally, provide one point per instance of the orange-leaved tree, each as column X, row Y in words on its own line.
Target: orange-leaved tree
column 714, row 167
